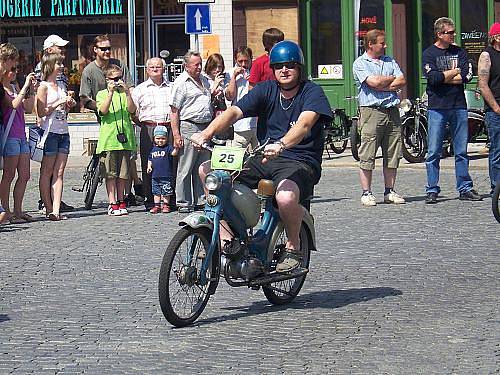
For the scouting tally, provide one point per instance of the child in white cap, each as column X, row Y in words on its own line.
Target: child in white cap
column 160, row 164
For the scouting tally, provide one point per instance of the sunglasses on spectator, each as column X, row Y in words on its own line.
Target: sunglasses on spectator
column 449, row 32
column 104, row 49
column 116, row 79
column 288, row 65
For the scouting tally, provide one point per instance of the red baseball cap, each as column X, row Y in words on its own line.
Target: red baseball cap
column 494, row 29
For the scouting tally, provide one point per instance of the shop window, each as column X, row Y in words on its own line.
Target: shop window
column 326, row 34
column 474, row 35
column 167, row 8
column 431, row 11
column 371, row 16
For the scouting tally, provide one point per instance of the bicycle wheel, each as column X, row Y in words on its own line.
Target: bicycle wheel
column 494, row 201
column 355, row 138
column 92, row 178
column 285, row 291
column 182, row 297
column 414, row 144
column 340, row 123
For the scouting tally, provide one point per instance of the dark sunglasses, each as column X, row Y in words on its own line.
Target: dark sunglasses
column 116, row 79
column 449, row 32
column 104, row 49
column 288, row 65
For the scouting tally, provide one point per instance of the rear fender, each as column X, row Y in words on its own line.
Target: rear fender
column 308, row 222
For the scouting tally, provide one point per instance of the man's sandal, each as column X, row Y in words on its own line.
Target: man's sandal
column 289, row 261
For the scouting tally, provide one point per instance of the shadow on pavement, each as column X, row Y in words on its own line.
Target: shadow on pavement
column 4, row 318
column 420, row 198
column 331, row 299
column 12, row 227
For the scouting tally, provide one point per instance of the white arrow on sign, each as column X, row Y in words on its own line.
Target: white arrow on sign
column 197, row 16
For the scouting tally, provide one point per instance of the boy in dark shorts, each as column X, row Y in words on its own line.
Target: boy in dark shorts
column 160, row 164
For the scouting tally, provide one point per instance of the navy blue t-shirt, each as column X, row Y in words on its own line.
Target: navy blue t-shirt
column 435, row 61
column 277, row 116
column 162, row 160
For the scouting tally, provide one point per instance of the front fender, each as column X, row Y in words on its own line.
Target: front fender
column 197, row 220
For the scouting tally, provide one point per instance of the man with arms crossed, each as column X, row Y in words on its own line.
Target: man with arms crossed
column 446, row 68
column 378, row 78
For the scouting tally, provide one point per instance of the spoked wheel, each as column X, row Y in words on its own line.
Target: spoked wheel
column 285, row 291
column 494, row 201
column 355, row 138
column 182, row 296
column 92, row 179
column 338, row 133
column 414, row 143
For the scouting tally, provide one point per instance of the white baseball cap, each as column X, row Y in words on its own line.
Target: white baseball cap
column 54, row 40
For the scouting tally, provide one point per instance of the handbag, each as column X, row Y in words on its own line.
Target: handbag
column 37, row 140
column 5, row 135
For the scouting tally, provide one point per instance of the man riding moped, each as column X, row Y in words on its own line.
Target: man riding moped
column 291, row 113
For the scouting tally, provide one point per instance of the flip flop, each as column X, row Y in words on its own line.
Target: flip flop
column 56, row 217
column 17, row 220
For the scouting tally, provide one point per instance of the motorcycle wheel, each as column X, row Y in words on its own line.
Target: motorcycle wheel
column 414, row 146
column 342, row 122
column 355, row 139
column 494, row 201
column 285, row 291
column 182, row 297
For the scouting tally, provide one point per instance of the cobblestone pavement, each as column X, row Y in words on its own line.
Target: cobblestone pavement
column 410, row 289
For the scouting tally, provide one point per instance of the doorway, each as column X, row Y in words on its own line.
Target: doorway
column 170, row 36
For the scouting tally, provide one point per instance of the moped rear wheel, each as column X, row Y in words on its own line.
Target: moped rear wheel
column 285, row 291
column 182, row 296
column 494, row 201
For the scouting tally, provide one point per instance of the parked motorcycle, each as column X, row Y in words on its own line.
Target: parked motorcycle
column 195, row 258
column 414, row 129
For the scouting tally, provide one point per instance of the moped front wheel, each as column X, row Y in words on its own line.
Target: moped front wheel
column 183, row 295
column 285, row 291
column 494, row 201
column 414, row 141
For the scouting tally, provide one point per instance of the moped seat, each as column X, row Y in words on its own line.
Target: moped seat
column 265, row 188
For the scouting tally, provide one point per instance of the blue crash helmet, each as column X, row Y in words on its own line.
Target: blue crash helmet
column 286, row 51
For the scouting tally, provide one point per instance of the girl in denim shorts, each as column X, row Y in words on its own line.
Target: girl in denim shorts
column 16, row 149
column 53, row 105
column 160, row 164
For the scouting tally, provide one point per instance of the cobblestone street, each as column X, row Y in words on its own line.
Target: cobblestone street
column 411, row 289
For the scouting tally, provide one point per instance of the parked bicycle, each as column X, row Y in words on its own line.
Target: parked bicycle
column 92, row 178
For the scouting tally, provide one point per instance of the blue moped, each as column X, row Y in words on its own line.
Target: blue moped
column 195, row 257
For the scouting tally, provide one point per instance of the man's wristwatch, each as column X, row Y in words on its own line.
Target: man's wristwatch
column 282, row 145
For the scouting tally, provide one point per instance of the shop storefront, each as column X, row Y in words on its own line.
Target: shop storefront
column 332, row 33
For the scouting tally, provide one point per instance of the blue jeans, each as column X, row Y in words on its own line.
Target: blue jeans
column 457, row 120
column 493, row 123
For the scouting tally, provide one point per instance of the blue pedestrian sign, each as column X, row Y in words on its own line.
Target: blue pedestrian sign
column 198, row 19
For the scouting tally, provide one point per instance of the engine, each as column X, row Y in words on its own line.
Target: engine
column 237, row 264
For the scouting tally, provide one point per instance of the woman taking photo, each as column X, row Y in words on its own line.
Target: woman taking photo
column 8, row 57
column 52, row 105
column 16, row 150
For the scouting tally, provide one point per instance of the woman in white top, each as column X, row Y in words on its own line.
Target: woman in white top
column 52, row 107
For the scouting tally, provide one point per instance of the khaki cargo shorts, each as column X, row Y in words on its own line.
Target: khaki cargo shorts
column 379, row 128
column 116, row 164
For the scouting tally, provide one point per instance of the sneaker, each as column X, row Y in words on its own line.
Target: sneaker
column 289, row 261
column 114, row 210
column 166, row 209
column 66, row 207
column 41, row 208
column 470, row 195
column 155, row 210
column 185, row 210
column 368, row 200
column 394, row 197
column 431, row 198
column 123, row 208
column 130, row 200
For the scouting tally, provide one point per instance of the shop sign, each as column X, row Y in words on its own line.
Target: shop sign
column 59, row 8
column 334, row 71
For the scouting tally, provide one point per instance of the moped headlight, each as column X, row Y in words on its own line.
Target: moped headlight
column 405, row 105
column 212, row 182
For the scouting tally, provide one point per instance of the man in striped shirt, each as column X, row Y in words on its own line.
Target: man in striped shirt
column 152, row 99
